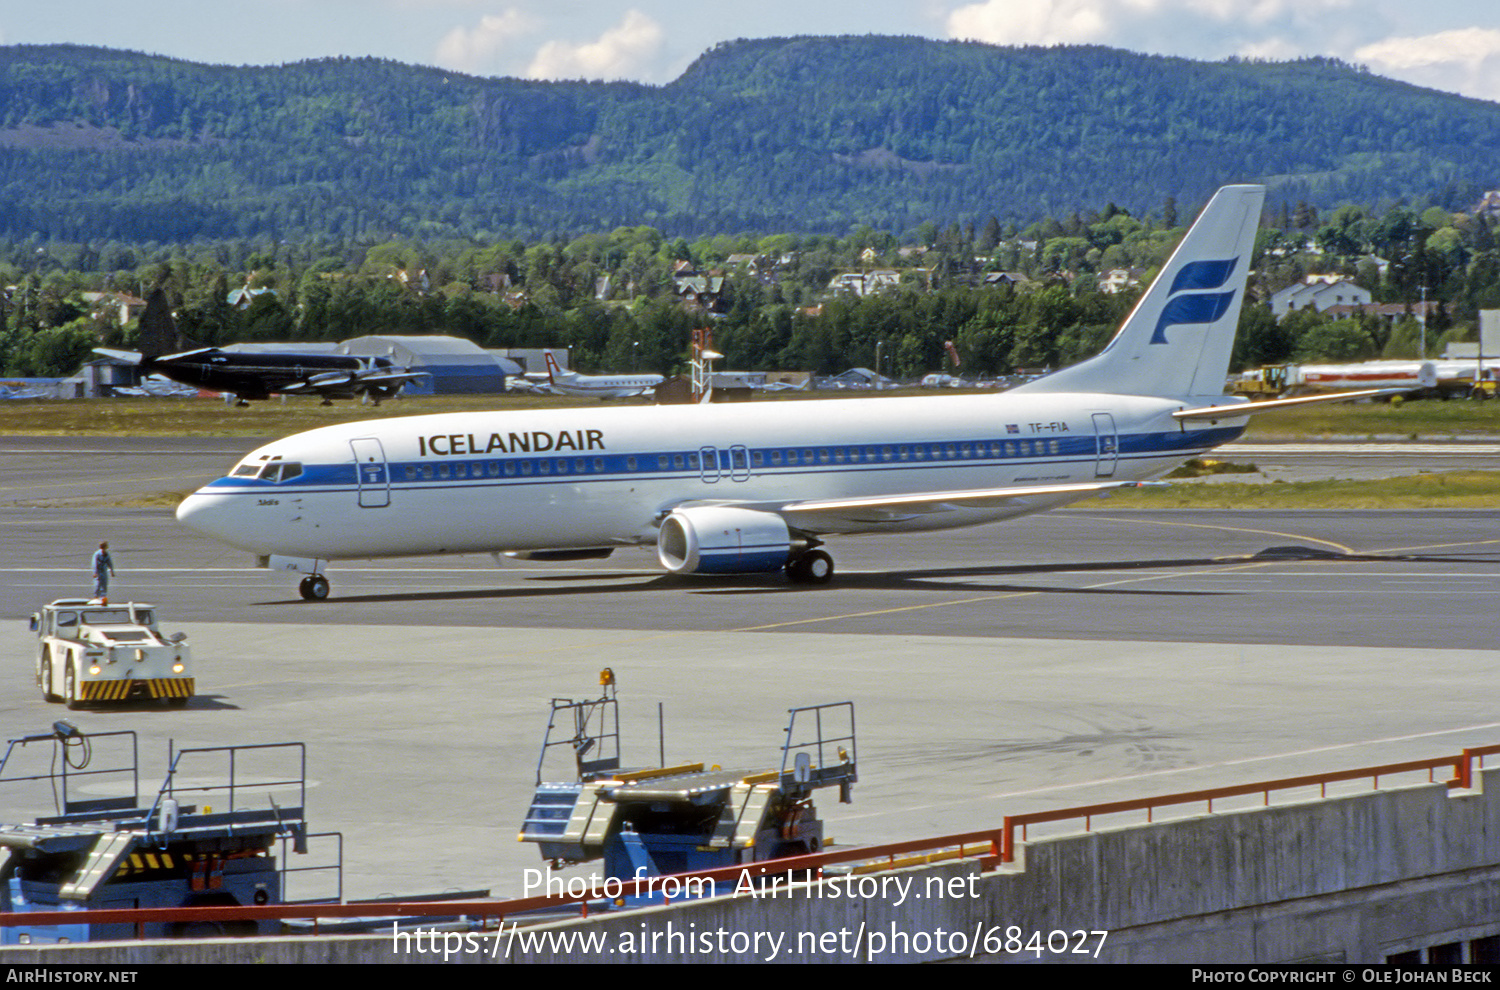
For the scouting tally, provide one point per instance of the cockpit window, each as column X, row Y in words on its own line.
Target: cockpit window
column 280, row 471
column 246, row 471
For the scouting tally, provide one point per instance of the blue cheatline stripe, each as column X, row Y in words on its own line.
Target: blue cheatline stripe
column 1035, row 451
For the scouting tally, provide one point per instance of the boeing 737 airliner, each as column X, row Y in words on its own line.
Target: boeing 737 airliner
column 738, row 489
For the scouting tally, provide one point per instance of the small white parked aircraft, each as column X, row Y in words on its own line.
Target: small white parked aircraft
column 599, row 386
column 754, row 488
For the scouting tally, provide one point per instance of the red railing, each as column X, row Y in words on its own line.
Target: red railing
column 990, row 846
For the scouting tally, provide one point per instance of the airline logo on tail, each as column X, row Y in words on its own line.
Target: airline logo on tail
column 1187, row 303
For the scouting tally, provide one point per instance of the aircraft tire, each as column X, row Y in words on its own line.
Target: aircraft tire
column 813, row 567
column 70, row 689
column 46, row 674
column 314, row 587
column 817, row 567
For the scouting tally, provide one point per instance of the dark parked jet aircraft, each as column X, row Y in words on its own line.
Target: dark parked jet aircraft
column 257, row 375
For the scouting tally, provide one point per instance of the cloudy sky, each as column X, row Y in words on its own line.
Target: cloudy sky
column 1452, row 45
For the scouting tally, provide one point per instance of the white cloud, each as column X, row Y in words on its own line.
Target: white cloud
column 1031, row 22
column 1139, row 24
column 475, row 49
column 1256, row 12
column 621, row 52
column 1465, row 61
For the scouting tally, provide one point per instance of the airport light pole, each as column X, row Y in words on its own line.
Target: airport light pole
column 1422, row 323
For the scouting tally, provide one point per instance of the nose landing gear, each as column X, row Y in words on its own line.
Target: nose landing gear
column 314, row 587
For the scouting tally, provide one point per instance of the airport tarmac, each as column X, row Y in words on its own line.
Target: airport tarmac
column 1083, row 655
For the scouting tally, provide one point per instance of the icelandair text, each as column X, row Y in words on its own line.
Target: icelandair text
column 532, row 442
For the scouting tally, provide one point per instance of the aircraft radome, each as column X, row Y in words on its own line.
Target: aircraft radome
column 726, row 489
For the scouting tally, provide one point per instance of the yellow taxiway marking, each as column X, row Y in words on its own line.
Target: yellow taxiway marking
column 975, row 601
column 1439, row 546
column 1235, row 529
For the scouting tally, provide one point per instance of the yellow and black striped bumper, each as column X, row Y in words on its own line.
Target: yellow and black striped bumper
column 152, row 687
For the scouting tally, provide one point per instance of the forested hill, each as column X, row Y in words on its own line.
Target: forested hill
column 792, row 134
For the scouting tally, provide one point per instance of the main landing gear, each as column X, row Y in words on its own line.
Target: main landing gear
column 314, row 587
column 812, row 567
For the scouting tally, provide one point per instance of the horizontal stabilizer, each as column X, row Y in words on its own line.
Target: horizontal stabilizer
column 129, row 357
column 1234, row 410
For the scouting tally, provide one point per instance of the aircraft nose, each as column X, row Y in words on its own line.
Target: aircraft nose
column 208, row 513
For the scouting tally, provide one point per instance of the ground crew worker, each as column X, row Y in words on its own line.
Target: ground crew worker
column 104, row 569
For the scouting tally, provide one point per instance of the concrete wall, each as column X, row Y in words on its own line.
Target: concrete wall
column 1349, row 879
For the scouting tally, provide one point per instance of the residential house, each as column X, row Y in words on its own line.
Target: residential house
column 1319, row 292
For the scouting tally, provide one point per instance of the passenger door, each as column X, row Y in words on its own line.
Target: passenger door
column 371, row 473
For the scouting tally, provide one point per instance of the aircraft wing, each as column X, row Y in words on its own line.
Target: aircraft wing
column 317, row 384
column 391, row 377
column 833, row 514
column 130, row 357
column 342, row 383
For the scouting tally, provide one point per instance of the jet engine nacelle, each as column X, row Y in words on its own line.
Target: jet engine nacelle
column 723, row 540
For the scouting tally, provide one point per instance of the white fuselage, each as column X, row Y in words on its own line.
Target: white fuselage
column 590, row 478
column 604, row 386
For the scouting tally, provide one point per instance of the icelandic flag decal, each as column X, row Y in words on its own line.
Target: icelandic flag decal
column 1201, row 307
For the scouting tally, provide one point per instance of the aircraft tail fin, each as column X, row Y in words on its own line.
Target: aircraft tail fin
column 1177, row 340
column 553, row 371
column 159, row 334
